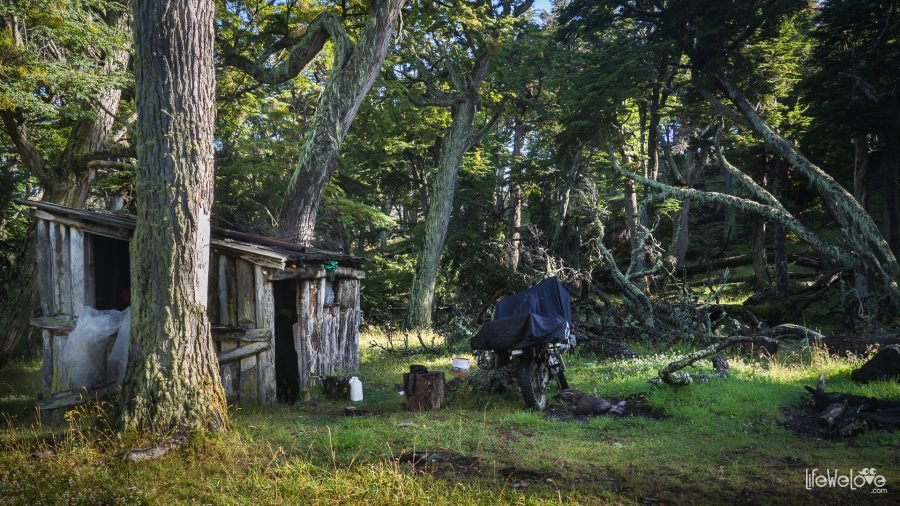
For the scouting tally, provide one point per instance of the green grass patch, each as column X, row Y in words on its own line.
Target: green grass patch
column 724, row 441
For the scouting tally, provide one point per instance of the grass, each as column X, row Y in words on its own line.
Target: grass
column 719, row 442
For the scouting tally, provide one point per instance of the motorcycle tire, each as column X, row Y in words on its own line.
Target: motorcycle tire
column 534, row 376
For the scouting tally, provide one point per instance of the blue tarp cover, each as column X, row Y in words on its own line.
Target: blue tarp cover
column 535, row 316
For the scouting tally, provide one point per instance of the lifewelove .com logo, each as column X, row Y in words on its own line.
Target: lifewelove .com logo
column 864, row 479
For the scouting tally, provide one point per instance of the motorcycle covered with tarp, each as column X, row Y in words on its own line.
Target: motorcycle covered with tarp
column 530, row 331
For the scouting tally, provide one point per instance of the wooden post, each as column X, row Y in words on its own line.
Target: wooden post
column 424, row 391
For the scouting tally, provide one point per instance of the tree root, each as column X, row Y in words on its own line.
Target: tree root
column 149, row 453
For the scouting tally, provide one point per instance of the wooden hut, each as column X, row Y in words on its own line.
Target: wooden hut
column 280, row 313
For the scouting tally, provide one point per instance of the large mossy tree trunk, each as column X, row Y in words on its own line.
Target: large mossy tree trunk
column 353, row 71
column 172, row 387
column 458, row 139
column 66, row 180
column 350, row 79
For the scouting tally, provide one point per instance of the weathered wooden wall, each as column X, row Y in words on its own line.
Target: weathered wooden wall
column 326, row 336
column 62, row 272
column 240, row 307
column 242, row 314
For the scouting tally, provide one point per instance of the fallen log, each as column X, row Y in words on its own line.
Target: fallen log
column 860, row 403
column 790, row 330
column 885, row 365
column 848, row 414
column 672, row 374
column 858, row 345
column 144, row 454
column 591, row 341
column 589, row 405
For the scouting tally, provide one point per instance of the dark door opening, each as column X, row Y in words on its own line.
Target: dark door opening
column 287, row 373
column 112, row 272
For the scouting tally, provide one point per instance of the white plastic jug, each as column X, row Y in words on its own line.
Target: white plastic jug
column 356, row 393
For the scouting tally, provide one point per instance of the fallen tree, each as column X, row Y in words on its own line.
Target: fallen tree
column 672, row 374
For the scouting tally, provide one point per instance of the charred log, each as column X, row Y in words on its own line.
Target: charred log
column 885, row 365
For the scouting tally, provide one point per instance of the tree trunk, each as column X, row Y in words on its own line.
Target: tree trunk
column 350, row 79
column 758, row 247
column 681, row 238
column 889, row 172
column 515, row 196
column 172, row 386
column 729, row 224
column 859, row 228
column 574, row 170
column 68, row 184
column 779, row 235
column 456, row 142
column 18, row 287
column 861, row 194
column 631, row 214
column 682, row 229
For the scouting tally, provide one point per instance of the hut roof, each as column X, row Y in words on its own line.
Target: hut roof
column 258, row 249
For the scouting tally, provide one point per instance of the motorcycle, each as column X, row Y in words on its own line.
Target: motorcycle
column 530, row 332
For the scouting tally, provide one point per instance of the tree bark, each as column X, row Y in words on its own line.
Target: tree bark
column 861, row 194
column 729, row 225
column 858, row 226
column 681, row 236
column 457, row 141
column 352, row 75
column 172, row 386
column 758, row 251
column 18, row 287
column 779, row 236
column 515, row 196
column 681, row 240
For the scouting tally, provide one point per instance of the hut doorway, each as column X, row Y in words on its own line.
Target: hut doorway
column 111, row 266
column 287, row 373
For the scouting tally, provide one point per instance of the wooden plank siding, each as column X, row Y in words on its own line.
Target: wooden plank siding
column 240, row 304
column 241, row 297
column 245, row 304
column 265, row 319
column 77, row 271
column 230, row 372
column 45, row 270
column 327, row 336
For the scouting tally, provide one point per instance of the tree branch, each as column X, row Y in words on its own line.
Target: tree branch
column 862, row 230
column 31, row 159
column 851, row 259
column 748, row 182
column 668, row 373
column 324, row 27
column 475, row 138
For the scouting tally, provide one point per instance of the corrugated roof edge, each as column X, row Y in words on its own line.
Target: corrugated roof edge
column 224, row 238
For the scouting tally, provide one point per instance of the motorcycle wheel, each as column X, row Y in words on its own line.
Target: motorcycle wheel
column 534, row 375
column 562, row 381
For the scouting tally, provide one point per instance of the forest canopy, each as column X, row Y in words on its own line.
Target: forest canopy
column 688, row 168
